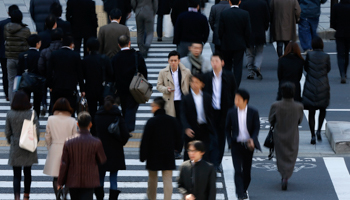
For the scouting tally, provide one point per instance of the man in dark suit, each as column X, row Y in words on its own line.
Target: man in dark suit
column 196, row 115
column 123, row 5
column 64, row 73
column 242, row 130
column 177, row 7
column 221, row 86
column 3, row 59
column 56, row 9
column 234, row 33
column 45, row 35
column 124, row 68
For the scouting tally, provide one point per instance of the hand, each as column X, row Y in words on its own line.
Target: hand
column 250, row 144
column 190, row 197
column 83, row 94
column 170, row 90
column 128, row 16
column 59, row 187
column 189, row 132
column 50, row 90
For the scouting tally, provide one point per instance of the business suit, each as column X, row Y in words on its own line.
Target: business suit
column 241, row 155
column 3, row 59
column 214, row 20
column 228, row 89
column 234, row 33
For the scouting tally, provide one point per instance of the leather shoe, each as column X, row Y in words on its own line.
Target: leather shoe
column 313, row 140
column 258, row 74
column 343, row 80
column 284, row 184
column 319, row 137
column 219, row 169
column 245, row 195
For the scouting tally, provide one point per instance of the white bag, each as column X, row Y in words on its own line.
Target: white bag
column 168, row 28
column 28, row 139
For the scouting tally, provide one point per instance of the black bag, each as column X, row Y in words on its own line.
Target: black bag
column 269, row 143
column 109, row 88
column 61, row 194
column 30, row 81
column 114, row 130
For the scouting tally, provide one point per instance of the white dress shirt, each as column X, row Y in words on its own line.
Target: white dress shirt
column 33, row 48
column 115, row 21
column 124, row 48
column 198, row 101
column 243, row 134
column 177, row 92
column 217, row 84
column 234, row 6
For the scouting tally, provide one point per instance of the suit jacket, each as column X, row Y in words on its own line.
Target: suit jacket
column 65, row 26
column 214, row 19
column 147, row 6
column 2, row 39
column 64, row 70
column 234, row 29
column 340, row 18
column 108, row 37
column 45, row 37
column 232, row 126
column 165, row 80
column 31, row 64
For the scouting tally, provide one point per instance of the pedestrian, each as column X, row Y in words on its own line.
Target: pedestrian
column 173, row 82
column 64, row 72
column 163, row 9
column 196, row 115
column 260, row 20
column 290, row 69
column 109, row 34
column 221, row 86
column 340, row 20
column 113, row 147
column 83, row 19
column 59, row 127
column 234, row 33
column 316, row 94
column 191, row 27
column 284, row 117
column 18, row 158
column 214, row 20
column 177, row 7
column 45, row 35
column 124, row 69
column 28, row 60
column 81, row 175
column 124, row 6
column 15, row 34
column 285, row 14
column 39, row 10
column 145, row 11
column 308, row 23
column 161, row 137
column 194, row 61
column 3, row 59
column 242, row 130
column 197, row 178
column 56, row 10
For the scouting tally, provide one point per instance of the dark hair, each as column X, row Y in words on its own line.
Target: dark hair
column 108, row 102
column 115, row 14
column 56, row 34
column 123, row 40
column 56, row 9
column 174, row 53
column 216, row 54
column 84, row 119
column 33, row 40
column 12, row 8
column 193, row 3
column 288, row 89
column 160, row 102
column 244, row 94
column 197, row 144
column 67, row 41
column 317, row 43
column 197, row 76
column 93, row 44
column 62, row 104
column 50, row 21
column 235, row 2
column 16, row 17
column 20, row 101
column 197, row 43
column 293, row 47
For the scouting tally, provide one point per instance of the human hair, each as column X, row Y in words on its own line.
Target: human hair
column 62, row 104
column 93, row 44
column 197, row 144
column 21, row 101
column 115, row 14
column 67, row 41
column 108, row 102
column 50, row 21
column 293, row 47
column 317, row 43
column 84, row 119
column 193, row 3
column 244, row 94
column 216, row 54
column 16, row 17
column 123, row 40
column 197, row 43
column 56, row 34
column 56, row 9
column 12, row 8
column 288, row 89
column 159, row 101
column 174, row 53
column 33, row 40
column 197, row 76
column 235, row 2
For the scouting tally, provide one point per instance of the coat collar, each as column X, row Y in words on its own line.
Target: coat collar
column 159, row 112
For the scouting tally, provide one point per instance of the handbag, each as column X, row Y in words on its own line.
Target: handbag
column 109, row 88
column 28, row 139
column 61, row 194
column 82, row 105
column 140, row 88
column 31, row 81
column 269, row 143
column 114, row 130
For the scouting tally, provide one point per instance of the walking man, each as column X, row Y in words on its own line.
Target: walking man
column 195, row 62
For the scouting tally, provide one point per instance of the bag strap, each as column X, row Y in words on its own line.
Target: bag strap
column 136, row 62
column 32, row 118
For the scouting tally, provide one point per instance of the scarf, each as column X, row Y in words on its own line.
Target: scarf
column 196, row 63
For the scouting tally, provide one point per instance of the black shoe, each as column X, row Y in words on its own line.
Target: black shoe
column 250, row 77
column 219, row 169
column 160, row 39
column 245, row 195
column 177, row 155
column 319, row 137
column 258, row 74
column 313, row 140
column 343, row 80
column 284, row 184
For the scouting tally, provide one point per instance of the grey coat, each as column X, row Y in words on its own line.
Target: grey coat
column 214, row 19
column 14, row 121
column 285, row 116
column 146, row 6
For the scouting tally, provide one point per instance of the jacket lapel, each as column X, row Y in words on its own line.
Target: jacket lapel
column 169, row 76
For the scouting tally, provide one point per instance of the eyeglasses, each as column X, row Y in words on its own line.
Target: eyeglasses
column 192, row 151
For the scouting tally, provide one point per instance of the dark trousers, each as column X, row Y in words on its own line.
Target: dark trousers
column 160, row 26
column 94, row 99
column 218, row 139
column 5, row 82
column 37, row 97
column 217, row 49
column 81, row 193
column 234, row 59
column 307, row 31
column 242, row 162
column 177, row 105
column 68, row 94
column 129, row 109
column 343, row 47
column 280, row 47
column 17, row 176
column 77, row 44
column 202, row 133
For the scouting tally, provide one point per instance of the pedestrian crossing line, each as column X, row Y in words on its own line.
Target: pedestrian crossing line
column 339, row 175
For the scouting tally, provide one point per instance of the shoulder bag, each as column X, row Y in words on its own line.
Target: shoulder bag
column 29, row 138
column 269, row 142
column 31, row 81
column 116, row 132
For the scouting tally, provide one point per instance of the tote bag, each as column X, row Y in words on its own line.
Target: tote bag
column 28, row 139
